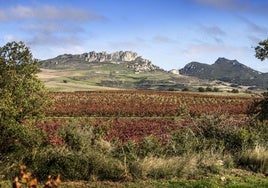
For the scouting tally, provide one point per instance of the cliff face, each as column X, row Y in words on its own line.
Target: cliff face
column 115, row 57
column 128, row 58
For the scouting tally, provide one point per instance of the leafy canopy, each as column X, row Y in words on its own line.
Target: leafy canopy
column 261, row 51
column 260, row 108
column 23, row 97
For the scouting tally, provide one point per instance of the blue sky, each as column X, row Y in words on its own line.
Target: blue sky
column 170, row 33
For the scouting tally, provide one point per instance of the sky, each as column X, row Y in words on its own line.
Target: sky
column 169, row 33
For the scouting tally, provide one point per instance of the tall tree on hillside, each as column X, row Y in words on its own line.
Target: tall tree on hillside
column 22, row 95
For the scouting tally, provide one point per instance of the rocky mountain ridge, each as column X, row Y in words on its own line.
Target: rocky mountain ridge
column 222, row 69
column 129, row 58
column 228, row 71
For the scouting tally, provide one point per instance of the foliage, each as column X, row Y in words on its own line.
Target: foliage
column 255, row 159
column 143, row 103
column 22, row 97
column 121, row 148
column 234, row 91
column 259, row 108
column 201, row 89
column 261, row 51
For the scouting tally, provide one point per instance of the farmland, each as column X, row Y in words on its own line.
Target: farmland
column 127, row 138
column 133, row 115
column 144, row 104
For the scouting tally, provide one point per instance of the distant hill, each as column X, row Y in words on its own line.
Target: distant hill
column 128, row 70
column 118, row 70
column 228, row 71
column 86, row 60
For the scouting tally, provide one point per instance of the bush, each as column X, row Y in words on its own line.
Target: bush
column 201, row 89
column 75, row 165
column 234, row 91
column 215, row 89
column 150, row 146
column 183, row 142
column 155, row 167
column 209, row 89
column 259, row 108
column 185, row 89
column 255, row 159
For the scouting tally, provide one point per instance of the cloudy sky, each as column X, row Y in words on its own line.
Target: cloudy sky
column 170, row 33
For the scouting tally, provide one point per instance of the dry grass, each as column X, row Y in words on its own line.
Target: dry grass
column 256, row 159
column 186, row 167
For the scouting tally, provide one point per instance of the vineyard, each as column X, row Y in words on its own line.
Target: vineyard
column 125, row 137
column 144, row 104
column 133, row 115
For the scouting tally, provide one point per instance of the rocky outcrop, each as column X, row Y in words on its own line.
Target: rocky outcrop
column 130, row 59
column 174, row 71
column 116, row 57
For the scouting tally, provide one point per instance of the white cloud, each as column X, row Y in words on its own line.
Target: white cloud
column 223, row 4
column 10, row 38
column 202, row 51
column 47, row 24
column 52, row 27
column 214, row 32
column 254, row 27
column 47, row 13
column 237, row 5
column 163, row 39
column 53, row 40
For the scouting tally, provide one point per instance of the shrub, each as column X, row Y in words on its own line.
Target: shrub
column 215, row 89
column 185, row 89
column 234, row 91
column 150, row 146
column 155, row 167
column 75, row 165
column 209, row 89
column 201, row 89
column 183, row 142
column 259, row 108
column 255, row 159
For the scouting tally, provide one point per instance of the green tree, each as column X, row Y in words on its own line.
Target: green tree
column 259, row 108
column 261, row 51
column 23, row 97
column 201, row 89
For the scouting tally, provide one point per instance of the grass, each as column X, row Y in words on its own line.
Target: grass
column 256, row 159
column 233, row 179
column 90, row 78
column 193, row 157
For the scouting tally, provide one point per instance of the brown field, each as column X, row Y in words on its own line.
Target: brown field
column 133, row 115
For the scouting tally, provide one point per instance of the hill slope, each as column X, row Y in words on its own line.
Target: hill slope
column 123, row 70
column 228, row 71
column 127, row 59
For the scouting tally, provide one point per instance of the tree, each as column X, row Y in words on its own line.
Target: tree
column 23, row 96
column 201, row 89
column 260, row 107
column 261, row 51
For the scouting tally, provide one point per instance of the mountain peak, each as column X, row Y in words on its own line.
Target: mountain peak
column 224, row 70
column 223, row 60
column 127, row 58
column 116, row 57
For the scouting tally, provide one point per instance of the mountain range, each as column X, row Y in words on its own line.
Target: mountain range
column 126, row 69
column 227, row 71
